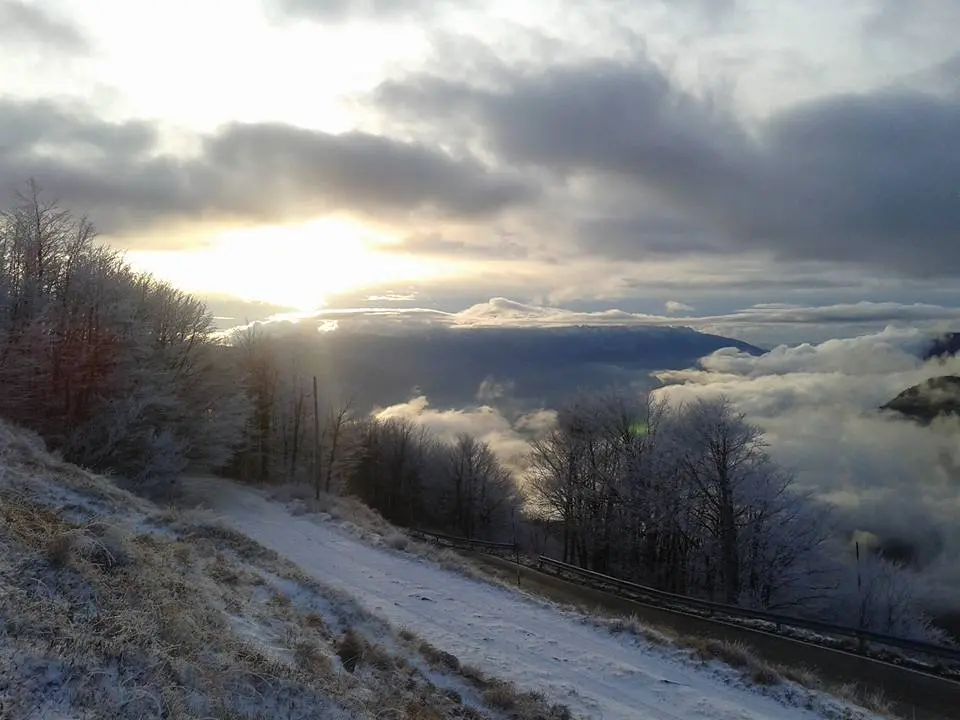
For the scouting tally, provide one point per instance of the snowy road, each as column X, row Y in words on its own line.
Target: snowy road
column 539, row 648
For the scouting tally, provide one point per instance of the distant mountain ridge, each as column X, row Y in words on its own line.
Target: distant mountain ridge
column 928, row 400
column 535, row 365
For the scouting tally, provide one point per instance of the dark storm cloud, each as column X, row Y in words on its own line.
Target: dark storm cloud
column 255, row 171
column 662, row 235
column 356, row 170
column 28, row 24
column 870, row 178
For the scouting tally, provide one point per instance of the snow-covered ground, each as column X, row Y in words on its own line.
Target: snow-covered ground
column 537, row 646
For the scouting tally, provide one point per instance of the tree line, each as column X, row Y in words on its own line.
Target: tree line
column 115, row 369
column 687, row 499
column 122, row 372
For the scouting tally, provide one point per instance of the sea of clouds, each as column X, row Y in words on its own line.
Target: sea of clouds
column 886, row 477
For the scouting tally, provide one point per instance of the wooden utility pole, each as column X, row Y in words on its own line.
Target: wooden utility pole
column 316, row 440
column 516, row 545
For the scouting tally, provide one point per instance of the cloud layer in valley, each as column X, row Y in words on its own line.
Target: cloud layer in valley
column 819, row 407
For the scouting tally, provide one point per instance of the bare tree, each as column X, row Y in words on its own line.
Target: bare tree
column 722, row 455
column 479, row 489
column 337, row 419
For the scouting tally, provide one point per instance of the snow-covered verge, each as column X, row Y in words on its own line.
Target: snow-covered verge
column 113, row 607
column 350, row 515
column 542, row 648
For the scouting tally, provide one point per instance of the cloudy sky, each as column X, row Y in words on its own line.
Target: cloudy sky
column 698, row 159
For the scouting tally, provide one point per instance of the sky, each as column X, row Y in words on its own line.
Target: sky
column 686, row 160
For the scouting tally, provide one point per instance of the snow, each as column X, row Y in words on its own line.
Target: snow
column 537, row 646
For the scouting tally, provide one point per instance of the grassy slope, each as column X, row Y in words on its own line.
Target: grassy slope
column 113, row 607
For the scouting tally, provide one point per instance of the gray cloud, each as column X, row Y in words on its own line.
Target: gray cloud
column 658, row 234
column 918, row 20
column 255, row 171
column 29, row 24
column 789, row 321
column 338, row 10
column 872, row 179
column 500, row 247
column 354, row 170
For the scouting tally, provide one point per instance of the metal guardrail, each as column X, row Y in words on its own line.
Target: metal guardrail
column 716, row 610
column 468, row 543
column 712, row 609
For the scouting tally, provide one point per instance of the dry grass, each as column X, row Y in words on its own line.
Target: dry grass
column 153, row 626
column 439, row 658
column 498, row 694
column 158, row 625
column 808, row 688
column 398, row 541
column 133, row 612
column 760, row 673
column 350, row 650
column 662, row 637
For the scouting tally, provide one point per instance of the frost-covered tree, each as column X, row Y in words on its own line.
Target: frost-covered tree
column 884, row 597
column 685, row 498
column 476, row 491
column 115, row 369
column 393, row 463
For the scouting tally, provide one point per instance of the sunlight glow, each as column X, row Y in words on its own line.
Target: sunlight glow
column 297, row 266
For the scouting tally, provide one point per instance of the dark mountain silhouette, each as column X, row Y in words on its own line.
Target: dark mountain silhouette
column 930, row 399
column 944, row 346
column 537, row 366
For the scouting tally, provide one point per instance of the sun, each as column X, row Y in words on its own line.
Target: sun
column 296, row 266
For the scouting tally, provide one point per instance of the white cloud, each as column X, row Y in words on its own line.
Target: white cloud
column 509, row 440
column 765, row 324
column 819, row 407
column 674, row 308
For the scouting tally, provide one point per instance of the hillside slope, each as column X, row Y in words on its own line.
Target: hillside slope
column 933, row 398
column 595, row 673
column 111, row 607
